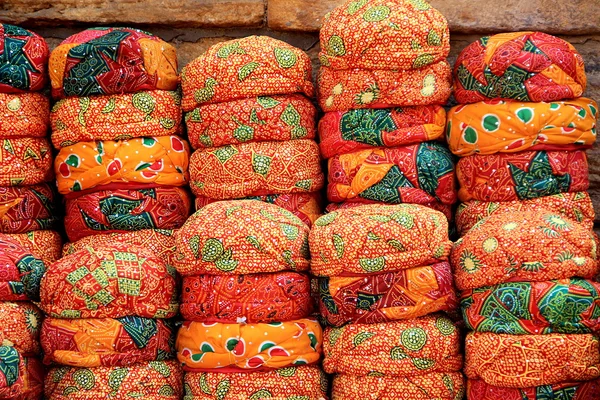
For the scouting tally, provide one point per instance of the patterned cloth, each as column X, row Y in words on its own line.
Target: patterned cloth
column 101, row 61
column 106, row 342
column 254, row 119
column 21, row 378
column 154, row 380
column 24, row 115
column 44, row 245
column 349, row 131
column 306, row 382
column 521, row 361
column 521, row 176
column 524, row 66
column 110, row 281
column 23, row 60
column 372, row 239
column 499, row 126
column 560, row 306
column 588, row 390
column 256, row 169
column 402, row 348
column 576, row 206
column 526, row 246
column 20, row 271
column 247, row 67
column 25, row 161
column 20, row 328
column 247, row 347
column 421, row 173
column 115, row 117
column 255, row 298
column 406, row 294
column 138, row 163
column 241, row 237
column 163, row 207
column 27, row 208
column 445, row 209
column 436, row 385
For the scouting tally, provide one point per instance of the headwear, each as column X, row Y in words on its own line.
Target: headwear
column 21, row 327
column 477, row 389
column 24, row 114
column 27, row 208
column 20, row 377
column 20, row 271
column 23, row 60
column 25, row 161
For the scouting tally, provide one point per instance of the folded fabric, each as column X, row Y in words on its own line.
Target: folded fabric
column 248, row 347
column 110, row 281
column 25, row 161
column 253, row 119
column 445, row 209
column 373, row 239
column 436, row 385
column 521, row 176
column 106, row 342
column 255, row 298
column 524, row 66
column 21, row 323
column 576, row 206
column 44, row 244
column 256, row 169
column 20, row 271
column 305, row 382
column 477, row 389
column 102, row 61
column 23, row 114
column 23, row 60
column 401, row 348
column 348, row 131
column 138, row 163
column 154, row 380
column 499, row 126
column 526, row 246
column 20, row 377
column 241, row 237
column 306, row 206
column 391, row 296
column 247, row 67
column 115, row 117
column 521, row 361
column 163, row 207
column 340, row 90
column 27, row 208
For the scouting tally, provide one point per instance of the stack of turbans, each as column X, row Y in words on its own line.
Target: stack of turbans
column 246, row 304
column 527, row 257
column 382, row 84
column 250, row 118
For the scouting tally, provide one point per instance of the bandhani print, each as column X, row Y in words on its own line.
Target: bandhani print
column 20, row 377
column 44, row 244
column 445, row 209
column 24, row 115
column 477, row 389
column 20, row 271
column 27, row 208
column 25, row 161
column 21, row 327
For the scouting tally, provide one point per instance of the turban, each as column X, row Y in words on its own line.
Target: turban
column 24, row 114
column 23, row 60
column 27, row 208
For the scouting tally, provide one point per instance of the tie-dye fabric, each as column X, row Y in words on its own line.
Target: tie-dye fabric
column 20, row 377
column 23, row 60
column 24, row 115
column 27, row 208
column 25, row 161
column 477, row 389
column 21, row 326
column 20, row 271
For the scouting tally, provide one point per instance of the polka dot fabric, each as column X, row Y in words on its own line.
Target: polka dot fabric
column 25, row 161
column 477, row 389
column 27, row 208
column 24, row 115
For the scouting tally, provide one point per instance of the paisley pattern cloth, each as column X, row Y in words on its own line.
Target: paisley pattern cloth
column 406, row 294
column 521, row 361
column 248, row 347
column 436, row 385
column 499, row 126
column 27, row 208
column 560, row 306
column 349, row 131
column 254, row 119
column 102, row 61
column 23, row 60
column 247, row 67
column 256, row 169
column 115, row 117
column 21, row 327
column 521, row 176
column 524, row 66
column 163, row 207
column 20, row 377
column 20, row 271
column 341, row 90
column 420, row 173
column 374, row 239
column 402, row 348
column 528, row 246
column 255, row 298
column 576, row 206
column 155, row 380
column 109, row 282
column 25, row 161
column 24, row 115
column 106, row 342
column 44, row 245
column 138, row 163
column 305, row 382
column 445, row 209
column 588, row 390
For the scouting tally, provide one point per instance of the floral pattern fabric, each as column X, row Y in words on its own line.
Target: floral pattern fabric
column 44, row 244
column 21, row 327
column 25, row 161
column 20, row 377
column 24, row 115
column 20, row 271
column 23, row 60
column 477, row 389
column 27, row 208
